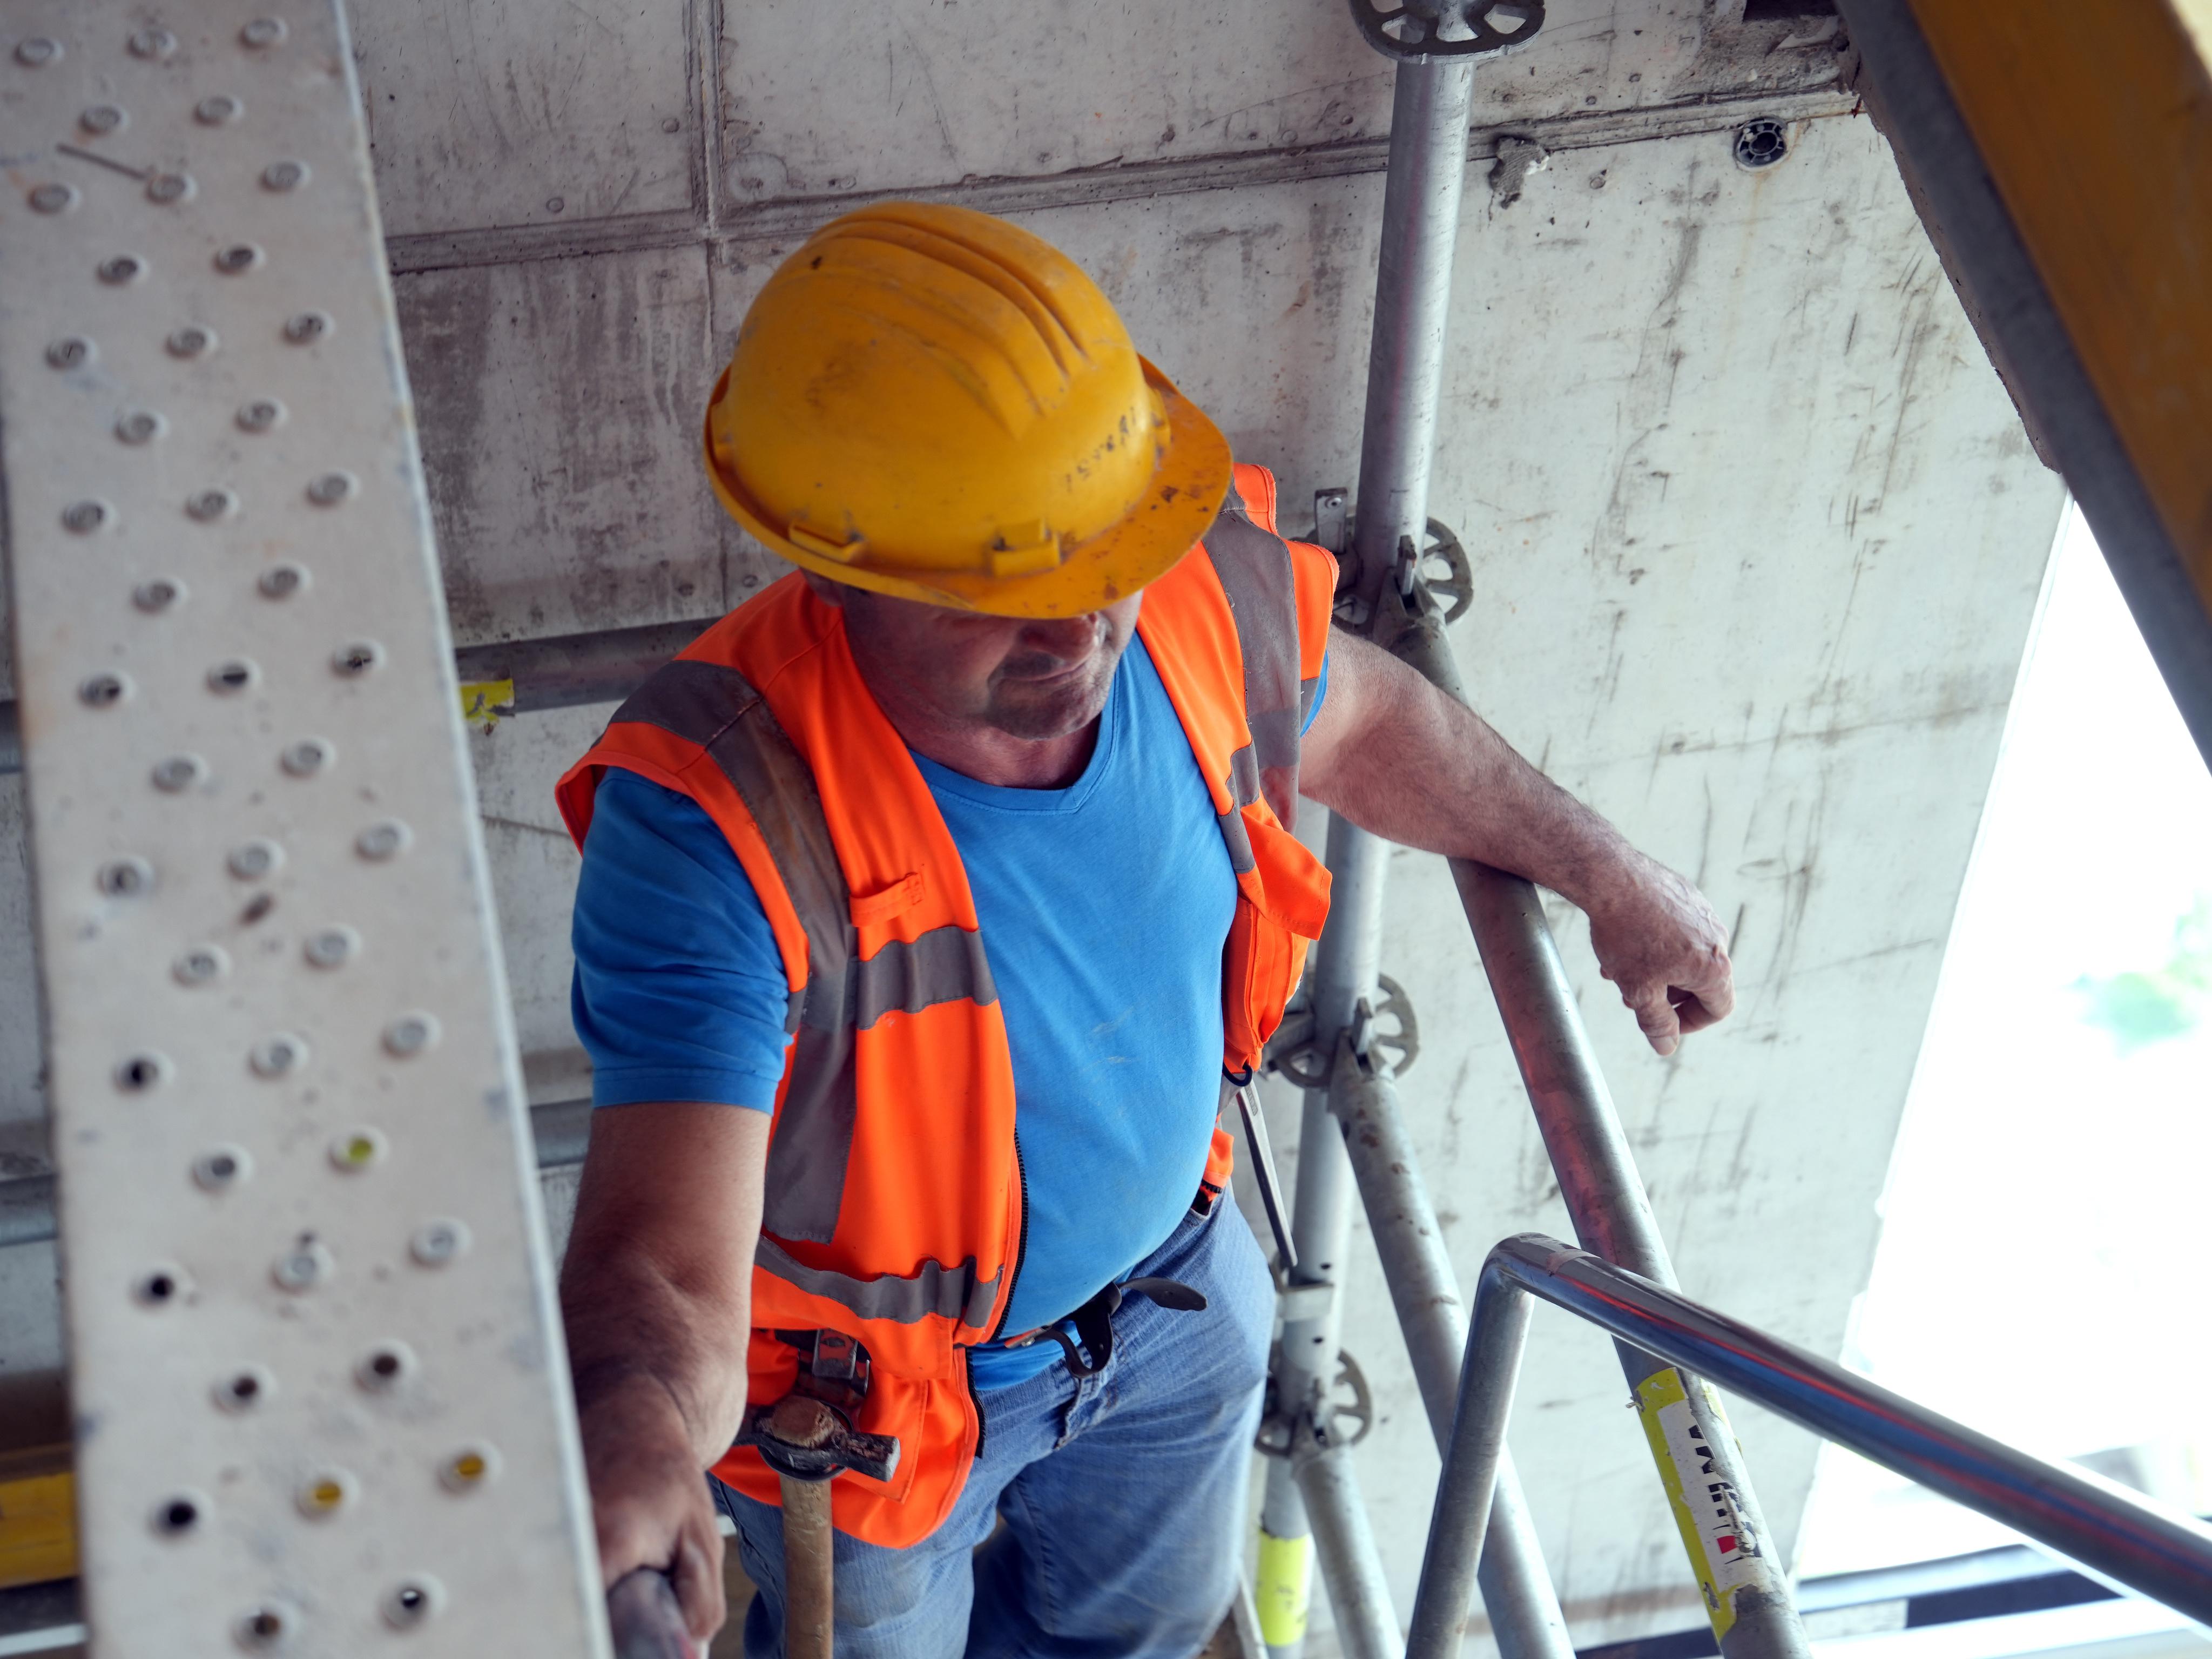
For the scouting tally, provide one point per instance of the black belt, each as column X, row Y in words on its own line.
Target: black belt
column 1094, row 1320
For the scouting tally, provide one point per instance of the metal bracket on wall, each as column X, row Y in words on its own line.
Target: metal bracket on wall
column 316, row 1367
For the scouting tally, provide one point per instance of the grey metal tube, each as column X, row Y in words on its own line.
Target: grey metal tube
column 1351, row 1565
column 1517, row 1592
column 1516, row 1587
column 1604, row 1194
column 1413, row 302
column 567, row 671
column 1424, row 1290
column 26, row 1209
column 1597, row 1173
column 1344, row 970
column 1473, row 1460
column 560, row 1128
column 1421, row 224
column 1606, row 1200
column 563, row 671
column 2166, row 1555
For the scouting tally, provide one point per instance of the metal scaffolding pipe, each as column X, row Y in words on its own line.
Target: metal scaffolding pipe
column 1517, row 1589
column 1476, row 1461
column 567, row 671
column 562, row 671
column 1305, row 1363
column 1405, row 367
column 1413, row 302
column 1351, row 1565
column 1598, row 1178
column 1747, row 1593
column 2161, row 1553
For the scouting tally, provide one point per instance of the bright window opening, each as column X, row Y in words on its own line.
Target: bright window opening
column 2042, row 1272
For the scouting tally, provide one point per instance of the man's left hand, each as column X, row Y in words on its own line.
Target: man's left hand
column 1658, row 939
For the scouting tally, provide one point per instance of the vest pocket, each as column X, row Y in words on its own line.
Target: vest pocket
column 1254, row 985
column 1281, row 903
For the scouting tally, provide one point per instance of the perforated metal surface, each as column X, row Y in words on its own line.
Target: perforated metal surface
column 321, row 1397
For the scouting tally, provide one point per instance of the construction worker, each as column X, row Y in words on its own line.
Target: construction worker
column 927, row 901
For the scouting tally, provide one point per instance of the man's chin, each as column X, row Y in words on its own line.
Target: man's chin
column 1040, row 714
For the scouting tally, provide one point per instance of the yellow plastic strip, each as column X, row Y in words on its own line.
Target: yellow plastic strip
column 1284, row 1588
column 38, row 1518
column 483, row 702
column 1725, row 1554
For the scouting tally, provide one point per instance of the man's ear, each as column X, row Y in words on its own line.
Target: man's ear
column 828, row 592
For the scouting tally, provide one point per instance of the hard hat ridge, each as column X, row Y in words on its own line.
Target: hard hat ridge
column 931, row 402
column 985, row 258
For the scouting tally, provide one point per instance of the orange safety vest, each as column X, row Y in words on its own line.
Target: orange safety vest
column 894, row 1201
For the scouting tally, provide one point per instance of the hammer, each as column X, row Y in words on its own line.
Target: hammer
column 807, row 1441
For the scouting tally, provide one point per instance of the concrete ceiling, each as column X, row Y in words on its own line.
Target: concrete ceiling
column 1756, row 535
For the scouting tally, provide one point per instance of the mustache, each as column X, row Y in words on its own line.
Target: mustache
column 1033, row 663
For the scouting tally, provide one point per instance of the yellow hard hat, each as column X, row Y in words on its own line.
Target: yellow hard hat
column 932, row 403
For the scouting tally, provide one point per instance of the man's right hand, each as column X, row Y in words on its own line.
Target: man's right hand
column 655, row 1289
column 650, row 1501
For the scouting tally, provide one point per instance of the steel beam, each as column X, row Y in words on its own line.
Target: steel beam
column 316, row 1368
column 2068, row 190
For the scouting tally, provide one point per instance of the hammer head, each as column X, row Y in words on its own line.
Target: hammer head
column 810, row 1439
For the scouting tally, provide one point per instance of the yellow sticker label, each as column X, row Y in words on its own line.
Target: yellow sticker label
column 1726, row 1552
column 485, row 701
column 1284, row 1588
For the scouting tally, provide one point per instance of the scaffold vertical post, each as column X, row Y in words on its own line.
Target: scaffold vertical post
column 1420, row 226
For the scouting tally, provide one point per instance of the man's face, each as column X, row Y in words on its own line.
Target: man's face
column 1031, row 679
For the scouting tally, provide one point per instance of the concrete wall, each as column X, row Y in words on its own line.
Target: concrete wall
column 1755, row 534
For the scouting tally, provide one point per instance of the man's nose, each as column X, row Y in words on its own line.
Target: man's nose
column 1069, row 638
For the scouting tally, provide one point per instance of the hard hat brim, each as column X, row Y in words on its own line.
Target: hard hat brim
column 1178, row 507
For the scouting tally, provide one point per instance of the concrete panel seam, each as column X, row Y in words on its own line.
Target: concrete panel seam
column 1091, row 187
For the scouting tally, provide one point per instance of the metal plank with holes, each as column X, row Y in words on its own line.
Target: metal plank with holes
column 320, row 1392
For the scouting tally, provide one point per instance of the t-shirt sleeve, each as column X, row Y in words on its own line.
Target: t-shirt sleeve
column 679, row 993
column 1313, row 711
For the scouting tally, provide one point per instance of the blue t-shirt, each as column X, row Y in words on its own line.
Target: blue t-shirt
column 1103, row 907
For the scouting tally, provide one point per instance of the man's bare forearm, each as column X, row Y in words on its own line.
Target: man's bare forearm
column 656, row 1284
column 639, row 1345
column 1397, row 756
column 1415, row 767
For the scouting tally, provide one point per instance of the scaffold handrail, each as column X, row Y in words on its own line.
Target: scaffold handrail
column 2108, row 1530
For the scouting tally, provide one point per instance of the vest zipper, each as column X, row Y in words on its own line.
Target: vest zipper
column 1006, row 1295
column 1022, row 1240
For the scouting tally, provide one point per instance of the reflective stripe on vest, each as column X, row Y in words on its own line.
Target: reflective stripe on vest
column 711, row 705
column 894, row 1208
column 1255, row 574
column 713, row 710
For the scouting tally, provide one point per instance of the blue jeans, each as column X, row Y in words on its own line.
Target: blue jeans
column 1122, row 1494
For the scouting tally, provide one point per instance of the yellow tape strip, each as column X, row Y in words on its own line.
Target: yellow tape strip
column 38, row 1520
column 483, row 702
column 1726, row 1555
column 1285, row 1589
